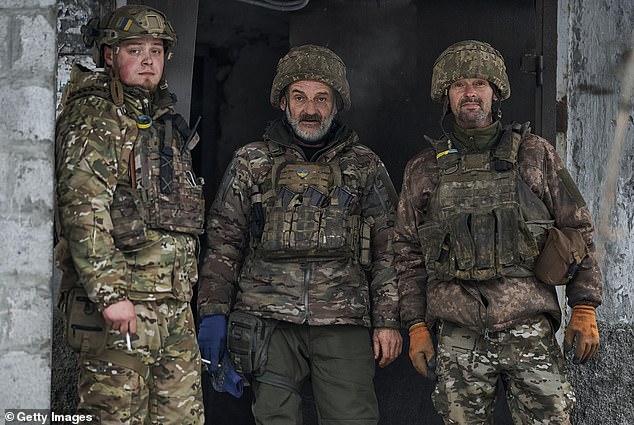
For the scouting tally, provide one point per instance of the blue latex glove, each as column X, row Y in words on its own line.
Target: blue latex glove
column 226, row 379
column 212, row 339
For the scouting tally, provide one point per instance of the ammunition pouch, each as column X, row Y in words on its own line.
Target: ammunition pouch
column 315, row 233
column 561, row 257
column 248, row 339
column 86, row 329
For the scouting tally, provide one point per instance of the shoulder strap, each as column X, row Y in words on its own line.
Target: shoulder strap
column 505, row 154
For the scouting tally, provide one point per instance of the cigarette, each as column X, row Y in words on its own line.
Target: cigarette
column 127, row 341
column 205, row 361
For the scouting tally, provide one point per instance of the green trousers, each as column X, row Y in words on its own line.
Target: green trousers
column 339, row 362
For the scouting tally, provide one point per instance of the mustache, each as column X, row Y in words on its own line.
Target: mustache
column 310, row 117
column 470, row 100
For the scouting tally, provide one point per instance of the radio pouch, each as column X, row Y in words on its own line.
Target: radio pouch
column 86, row 329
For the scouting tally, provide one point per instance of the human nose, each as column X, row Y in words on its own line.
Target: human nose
column 146, row 58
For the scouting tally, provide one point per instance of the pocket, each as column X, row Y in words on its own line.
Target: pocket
column 332, row 229
column 129, row 229
column 86, row 330
column 435, row 244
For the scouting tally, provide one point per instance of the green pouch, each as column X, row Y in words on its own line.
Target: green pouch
column 86, row 329
column 248, row 339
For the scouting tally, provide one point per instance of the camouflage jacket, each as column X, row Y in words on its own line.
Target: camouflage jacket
column 320, row 292
column 496, row 304
column 94, row 138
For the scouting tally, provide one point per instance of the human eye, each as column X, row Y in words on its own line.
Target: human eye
column 458, row 85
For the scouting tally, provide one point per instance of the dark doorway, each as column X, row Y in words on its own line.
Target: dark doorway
column 389, row 48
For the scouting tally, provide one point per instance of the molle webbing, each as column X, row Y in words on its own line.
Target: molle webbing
column 307, row 213
column 166, row 195
column 476, row 228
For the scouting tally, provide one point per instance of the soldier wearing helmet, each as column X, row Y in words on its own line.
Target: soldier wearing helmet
column 299, row 263
column 488, row 223
column 130, row 213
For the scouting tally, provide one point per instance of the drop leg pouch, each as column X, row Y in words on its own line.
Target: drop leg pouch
column 85, row 330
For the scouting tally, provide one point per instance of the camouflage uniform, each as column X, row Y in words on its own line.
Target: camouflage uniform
column 500, row 326
column 159, row 381
column 327, row 292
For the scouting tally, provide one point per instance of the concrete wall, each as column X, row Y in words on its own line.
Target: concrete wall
column 27, row 124
column 599, row 71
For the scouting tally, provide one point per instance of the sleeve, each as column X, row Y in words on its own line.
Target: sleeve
column 565, row 202
column 409, row 261
column 378, row 207
column 87, row 141
column 227, row 237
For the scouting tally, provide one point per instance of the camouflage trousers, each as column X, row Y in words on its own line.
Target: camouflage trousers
column 526, row 357
column 158, row 382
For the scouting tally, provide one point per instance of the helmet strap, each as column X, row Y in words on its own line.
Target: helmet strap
column 116, row 87
column 443, row 114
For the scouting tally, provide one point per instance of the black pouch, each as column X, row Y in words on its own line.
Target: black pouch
column 86, row 329
column 248, row 339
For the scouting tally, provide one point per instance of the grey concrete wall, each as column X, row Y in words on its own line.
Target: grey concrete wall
column 599, row 69
column 27, row 78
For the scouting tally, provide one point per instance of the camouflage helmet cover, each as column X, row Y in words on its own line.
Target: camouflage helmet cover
column 310, row 62
column 469, row 59
column 125, row 23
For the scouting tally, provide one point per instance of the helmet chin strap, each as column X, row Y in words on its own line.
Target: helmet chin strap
column 116, row 88
column 443, row 114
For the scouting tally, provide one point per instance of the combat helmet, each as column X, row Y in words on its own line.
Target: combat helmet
column 310, row 62
column 125, row 23
column 469, row 59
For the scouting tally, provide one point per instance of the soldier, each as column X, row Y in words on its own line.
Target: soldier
column 476, row 210
column 130, row 211
column 300, row 221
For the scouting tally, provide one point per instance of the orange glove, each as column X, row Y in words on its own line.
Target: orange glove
column 583, row 329
column 421, row 350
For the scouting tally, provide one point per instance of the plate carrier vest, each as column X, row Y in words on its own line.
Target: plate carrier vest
column 302, row 211
column 483, row 221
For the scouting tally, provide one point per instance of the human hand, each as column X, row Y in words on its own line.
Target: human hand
column 421, row 350
column 212, row 339
column 121, row 316
column 387, row 343
column 583, row 332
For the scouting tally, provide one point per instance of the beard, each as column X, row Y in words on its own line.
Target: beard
column 472, row 118
column 315, row 135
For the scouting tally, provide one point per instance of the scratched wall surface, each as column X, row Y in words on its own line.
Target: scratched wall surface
column 600, row 139
column 27, row 76
column 600, row 153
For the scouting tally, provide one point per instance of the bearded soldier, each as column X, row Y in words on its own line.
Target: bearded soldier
column 301, row 219
column 488, row 223
column 130, row 211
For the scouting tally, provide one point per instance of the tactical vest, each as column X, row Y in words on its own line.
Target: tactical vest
column 161, row 191
column 307, row 213
column 483, row 221
column 156, row 187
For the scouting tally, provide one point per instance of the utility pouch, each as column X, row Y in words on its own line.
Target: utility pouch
column 86, row 329
column 248, row 339
column 128, row 220
column 563, row 252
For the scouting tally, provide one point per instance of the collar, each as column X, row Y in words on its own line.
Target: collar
column 478, row 139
